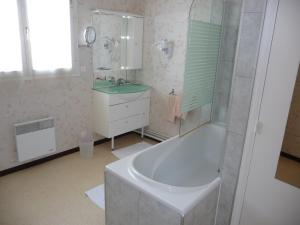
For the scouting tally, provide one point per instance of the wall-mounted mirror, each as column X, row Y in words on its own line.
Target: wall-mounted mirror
column 90, row 36
column 119, row 41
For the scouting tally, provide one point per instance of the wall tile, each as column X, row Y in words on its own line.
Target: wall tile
column 226, row 70
column 254, row 5
column 204, row 213
column 126, row 205
column 249, row 44
column 217, row 11
column 230, row 171
column 121, row 201
column 240, row 104
column 241, row 91
column 228, row 43
column 232, row 13
column 152, row 212
column 224, row 209
column 233, row 154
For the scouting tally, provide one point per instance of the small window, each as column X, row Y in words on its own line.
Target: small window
column 37, row 36
column 10, row 42
column 50, row 34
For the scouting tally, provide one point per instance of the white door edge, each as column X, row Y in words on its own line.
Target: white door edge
column 261, row 72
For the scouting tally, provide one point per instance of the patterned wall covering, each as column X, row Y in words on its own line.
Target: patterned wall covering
column 164, row 19
column 169, row 20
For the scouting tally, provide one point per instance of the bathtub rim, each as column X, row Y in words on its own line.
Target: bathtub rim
column 167, row 187
column 183, row 205
column 180, row 200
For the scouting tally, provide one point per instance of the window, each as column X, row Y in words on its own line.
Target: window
column 10, row 43
column 36, row 36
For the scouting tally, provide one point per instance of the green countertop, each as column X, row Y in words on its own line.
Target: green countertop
column 109, row 88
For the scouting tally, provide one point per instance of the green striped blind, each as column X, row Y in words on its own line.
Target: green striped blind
column 201, row 64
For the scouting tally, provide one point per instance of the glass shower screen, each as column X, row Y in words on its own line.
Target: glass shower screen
column 203, row 45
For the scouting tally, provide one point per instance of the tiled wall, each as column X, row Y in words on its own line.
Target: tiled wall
column 164, row 19
column 127, row 205
column 204, row 212
column 241, row 91
column 230, row 27
column 67, row 99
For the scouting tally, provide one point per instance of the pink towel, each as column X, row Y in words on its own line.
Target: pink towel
column 174, row 108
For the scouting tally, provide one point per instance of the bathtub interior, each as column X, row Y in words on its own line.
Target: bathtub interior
column 189, row 161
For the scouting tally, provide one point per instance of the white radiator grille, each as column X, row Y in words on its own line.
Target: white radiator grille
column 35, row 139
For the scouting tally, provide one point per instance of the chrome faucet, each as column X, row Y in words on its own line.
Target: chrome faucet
column 121, row 81
column 112, row 80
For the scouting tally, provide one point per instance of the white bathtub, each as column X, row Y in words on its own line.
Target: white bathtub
column 178, row 172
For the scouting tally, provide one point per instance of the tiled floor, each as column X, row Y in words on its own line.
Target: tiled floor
column 53, row 193
column 288, row 171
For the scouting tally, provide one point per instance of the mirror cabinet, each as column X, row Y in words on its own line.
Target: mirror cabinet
column 119, row 41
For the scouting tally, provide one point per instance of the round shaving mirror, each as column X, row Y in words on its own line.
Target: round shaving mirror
column 90, row 36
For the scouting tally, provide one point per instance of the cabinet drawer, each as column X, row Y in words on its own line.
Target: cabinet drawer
column 129, row 109
column 124, row 98
column 128, row 124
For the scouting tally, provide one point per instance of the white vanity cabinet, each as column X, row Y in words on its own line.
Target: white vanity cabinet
column 115, row 114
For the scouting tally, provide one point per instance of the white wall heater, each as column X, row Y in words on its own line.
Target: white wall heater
column 35, row 139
